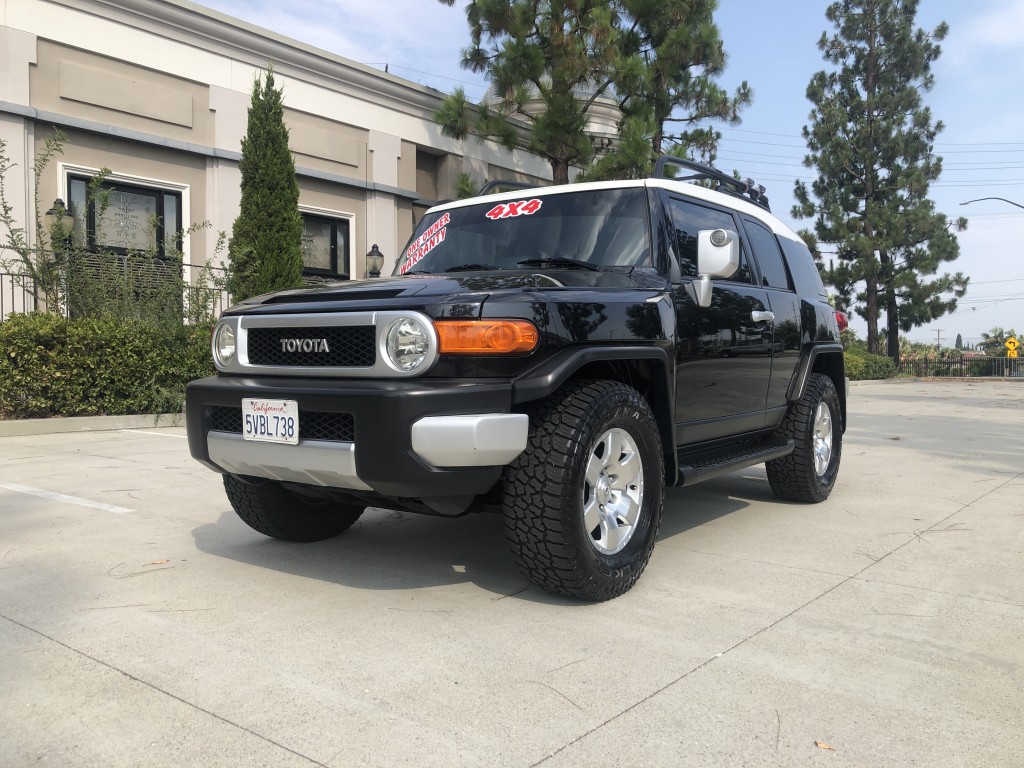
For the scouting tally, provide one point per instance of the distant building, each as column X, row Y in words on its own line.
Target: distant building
column 158, row 90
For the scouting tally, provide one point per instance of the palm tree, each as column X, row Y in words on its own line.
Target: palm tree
column 994, row 342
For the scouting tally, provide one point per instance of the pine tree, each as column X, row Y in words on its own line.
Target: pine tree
column 547, row 61
column 670, row 54
column 552, row 63
column 265, row 252
column 959, row 342
column 871, row 140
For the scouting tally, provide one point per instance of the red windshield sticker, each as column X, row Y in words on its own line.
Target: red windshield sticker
column 425, row 243
column 518, row 208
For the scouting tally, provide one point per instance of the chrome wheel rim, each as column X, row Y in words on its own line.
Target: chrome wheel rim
column 822, row 439
column 613, row 491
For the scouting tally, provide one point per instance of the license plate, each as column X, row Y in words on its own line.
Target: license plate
column 270, row 421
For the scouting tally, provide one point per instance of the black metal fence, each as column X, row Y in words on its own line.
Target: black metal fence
column 18, row 294
column 963, row 367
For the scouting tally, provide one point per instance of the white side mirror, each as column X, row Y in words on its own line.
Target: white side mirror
column 718, row 255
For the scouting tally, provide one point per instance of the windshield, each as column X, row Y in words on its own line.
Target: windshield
column 576, row 230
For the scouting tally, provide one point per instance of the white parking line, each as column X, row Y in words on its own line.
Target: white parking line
column 66, row 499
column 157, row 434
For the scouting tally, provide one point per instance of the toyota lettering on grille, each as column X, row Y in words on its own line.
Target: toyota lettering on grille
column 304, row 345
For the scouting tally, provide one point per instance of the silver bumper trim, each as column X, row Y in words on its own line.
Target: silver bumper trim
column 314, row 462
column 475, row 440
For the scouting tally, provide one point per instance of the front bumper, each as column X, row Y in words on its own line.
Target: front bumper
column 410, row 439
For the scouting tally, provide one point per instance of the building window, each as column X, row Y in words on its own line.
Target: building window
column 126, row 218
column 325, row 246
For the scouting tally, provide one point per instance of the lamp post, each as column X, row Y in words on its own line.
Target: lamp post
column 374, row 262
column 968, row 202
column 60, row 224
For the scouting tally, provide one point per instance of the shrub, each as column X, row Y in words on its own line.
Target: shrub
column 861, row 366
column 53, row 366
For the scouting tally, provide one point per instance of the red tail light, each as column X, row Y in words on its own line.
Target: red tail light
column 843, row 320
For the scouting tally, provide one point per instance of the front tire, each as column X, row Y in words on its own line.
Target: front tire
column 815, row 424
column 583, row 502
column 273, row 510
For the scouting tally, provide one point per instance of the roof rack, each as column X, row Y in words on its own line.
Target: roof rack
column 747, row 189
column 491, row 186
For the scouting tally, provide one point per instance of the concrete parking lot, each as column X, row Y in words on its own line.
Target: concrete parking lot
column 142, row 624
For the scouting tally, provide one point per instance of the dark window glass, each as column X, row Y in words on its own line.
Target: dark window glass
column 768, row 256
column 606, row 228
column 124, row 218
column 325, row 246
column 802, row 268
column 689, row 219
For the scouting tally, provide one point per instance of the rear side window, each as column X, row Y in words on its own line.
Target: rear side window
column 768, row 256
column 802, row 267
column 688, row 219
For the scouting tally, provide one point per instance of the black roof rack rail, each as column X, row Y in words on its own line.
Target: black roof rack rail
column 490, row 186
column 747, row 189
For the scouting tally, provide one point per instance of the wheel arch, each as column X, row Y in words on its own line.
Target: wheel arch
column 826, row 359
column 645, row 369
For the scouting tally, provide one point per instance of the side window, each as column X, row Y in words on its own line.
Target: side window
column 125, row 218
column 688, row 219
column 325, row 246
column 768, row 256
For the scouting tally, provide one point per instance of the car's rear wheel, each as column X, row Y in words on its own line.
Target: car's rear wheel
column 583, row 502
column 815, row 424
column 273, row 510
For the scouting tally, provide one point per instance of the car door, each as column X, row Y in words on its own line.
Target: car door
column 723, row 352
column 784, row 306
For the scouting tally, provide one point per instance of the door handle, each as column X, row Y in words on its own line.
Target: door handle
column 762, row 317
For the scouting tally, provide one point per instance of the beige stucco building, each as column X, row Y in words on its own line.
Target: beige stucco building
column 157, row 91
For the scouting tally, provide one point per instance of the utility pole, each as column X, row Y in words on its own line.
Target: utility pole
column 938, row 340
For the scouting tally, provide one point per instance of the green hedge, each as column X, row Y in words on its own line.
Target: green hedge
column 861, row 366
column 52, row 366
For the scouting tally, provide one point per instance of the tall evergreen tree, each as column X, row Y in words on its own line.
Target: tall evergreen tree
column 547, row 61
column 265, row 252
column 871, row 140
column 551, row 62
column 670, row 55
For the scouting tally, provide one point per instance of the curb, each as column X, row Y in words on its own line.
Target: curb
column 22, row 427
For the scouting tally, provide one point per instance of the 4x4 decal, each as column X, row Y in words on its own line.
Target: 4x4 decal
column 517, row 208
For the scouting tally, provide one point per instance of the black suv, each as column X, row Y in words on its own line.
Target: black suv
column 556, row 354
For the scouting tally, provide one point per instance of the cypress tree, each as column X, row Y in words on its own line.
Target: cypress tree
column 871, row 140
column 265, row 252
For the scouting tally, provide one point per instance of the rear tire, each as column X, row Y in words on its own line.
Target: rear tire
column 815, row 424
column 273, row 510
column 583, row 502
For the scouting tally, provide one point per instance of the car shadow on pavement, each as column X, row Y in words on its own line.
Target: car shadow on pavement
column 394, row 551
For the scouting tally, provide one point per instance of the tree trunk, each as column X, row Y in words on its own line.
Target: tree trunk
column 559, row 171
column 892, row 310
column 871, row 312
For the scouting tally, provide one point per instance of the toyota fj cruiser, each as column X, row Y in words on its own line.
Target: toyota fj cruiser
column 559, row 354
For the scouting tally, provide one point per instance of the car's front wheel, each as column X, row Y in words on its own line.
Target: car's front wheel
column 583, row 502
column 273, row 510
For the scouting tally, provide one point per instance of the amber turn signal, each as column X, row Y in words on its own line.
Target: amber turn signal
column 486, row 337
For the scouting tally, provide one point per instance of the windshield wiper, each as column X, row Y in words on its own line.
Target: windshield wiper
column 469, row 267
column 559, row 261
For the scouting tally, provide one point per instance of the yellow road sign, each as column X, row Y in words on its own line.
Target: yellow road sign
column 1012, row 353
column 1012, row 344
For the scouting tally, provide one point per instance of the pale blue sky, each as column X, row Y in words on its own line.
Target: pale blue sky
column 773, row 45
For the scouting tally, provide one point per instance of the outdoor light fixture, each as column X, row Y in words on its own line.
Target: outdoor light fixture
column 60, row 217
column 374, row 262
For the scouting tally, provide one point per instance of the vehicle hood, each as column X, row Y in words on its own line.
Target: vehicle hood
column 429, row 289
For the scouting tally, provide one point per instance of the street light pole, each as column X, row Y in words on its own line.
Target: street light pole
column 968, row 202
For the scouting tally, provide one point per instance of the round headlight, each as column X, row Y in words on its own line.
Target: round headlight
column 408, row 344
column 224, row 344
